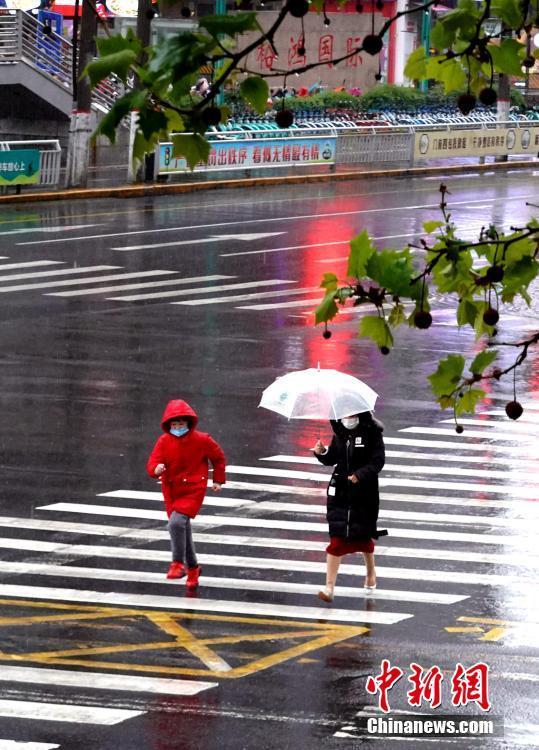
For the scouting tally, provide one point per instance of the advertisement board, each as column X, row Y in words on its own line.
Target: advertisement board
column 19, row 167
column 497, row 141
column 256, row 154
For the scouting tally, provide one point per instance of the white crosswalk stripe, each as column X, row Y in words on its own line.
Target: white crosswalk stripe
column 261, row 545
column 142, row 285
column 201, row 290
column 16, row 745
column 99, row 680
column 65, row 712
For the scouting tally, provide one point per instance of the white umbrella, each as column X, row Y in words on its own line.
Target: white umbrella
column 318, row 394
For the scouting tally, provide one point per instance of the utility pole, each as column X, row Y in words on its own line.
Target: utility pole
column 81, row 126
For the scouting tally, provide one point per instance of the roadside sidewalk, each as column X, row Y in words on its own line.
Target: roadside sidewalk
column 200, row 182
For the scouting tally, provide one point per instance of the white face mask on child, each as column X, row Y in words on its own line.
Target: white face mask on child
column 350, row 422
column 179, row 432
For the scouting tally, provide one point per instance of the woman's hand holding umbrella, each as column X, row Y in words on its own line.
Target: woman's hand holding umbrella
column 319, row 448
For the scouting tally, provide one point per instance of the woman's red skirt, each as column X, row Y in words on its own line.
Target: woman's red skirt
column 339, row 547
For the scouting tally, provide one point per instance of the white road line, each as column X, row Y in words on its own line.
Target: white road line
column 91, row 280
column 270, row 523
column 201, row 241
column 57, row 272
column 103, row 681
column 157, row 535
column 316, row 244
column 474, row 487
column 523, row 492
column 230, row 502
column 64, row 712
column 272, row 563
column 523, row 507
column 268, row 220
column 119, row 599
column 274, row 305
column 457, row 446
column 60, row 228
column 242, row 297
column 520, row 521
column 143, row 285
column 201, row 290
column 528, row 416
column 237, row 584
column 282, row 249
column 524, row 428
column 467, row 434
column 29, row 264
column 453, row 457
column 16, row 745
column 524, row 476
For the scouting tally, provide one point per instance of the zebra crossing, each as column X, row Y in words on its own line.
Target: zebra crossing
column 157, row 285
column 261, row 546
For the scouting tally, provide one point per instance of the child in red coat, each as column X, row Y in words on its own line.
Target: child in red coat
column 180, row 459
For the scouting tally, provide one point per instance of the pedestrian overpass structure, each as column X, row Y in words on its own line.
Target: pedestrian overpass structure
column 36, row 71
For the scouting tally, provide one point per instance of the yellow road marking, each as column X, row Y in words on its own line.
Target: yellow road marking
column 189, row 642
column 491, row 629
column 469, row 629
column 315, row 636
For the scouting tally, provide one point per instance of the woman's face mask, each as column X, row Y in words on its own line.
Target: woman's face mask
column 350, row 422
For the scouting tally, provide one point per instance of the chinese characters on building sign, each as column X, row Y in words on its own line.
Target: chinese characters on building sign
column 274, row 152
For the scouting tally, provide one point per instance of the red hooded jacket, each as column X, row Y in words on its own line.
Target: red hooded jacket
column 185, row 480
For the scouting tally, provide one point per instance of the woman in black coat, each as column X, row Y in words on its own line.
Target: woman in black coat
column 358, row 454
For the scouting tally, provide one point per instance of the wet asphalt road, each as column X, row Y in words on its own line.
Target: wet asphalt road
column 124, row 304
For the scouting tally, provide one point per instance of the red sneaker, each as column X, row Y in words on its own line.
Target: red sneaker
column 176, row 570
column 192, row 577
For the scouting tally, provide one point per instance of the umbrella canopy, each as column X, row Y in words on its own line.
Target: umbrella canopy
column 318, row 394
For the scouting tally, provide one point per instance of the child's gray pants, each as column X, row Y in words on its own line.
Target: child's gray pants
column 181, row 539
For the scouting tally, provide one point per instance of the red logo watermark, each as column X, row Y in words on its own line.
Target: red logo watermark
column 467, row 685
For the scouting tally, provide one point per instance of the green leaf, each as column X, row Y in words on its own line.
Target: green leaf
column 467, row 312
column 397, row 316
column 329, row 282
column 448, row 375
column 518, row 276
column 120, row 109
column 151, row 122
column 118, row 63
column 446, row 402
column 327, row 309
column 377, row 329
column 449, row 72
column 181, row 55
column 175, row 122
column 255, row 91
column 469, row 401
column 229, row 24
column 193, row 147
column 482, row 361
column 441, row 36
column 509, row 11
column 361, row 249
column 416, row 65
column 393, row 270
column 430, row 226
column 142, row 146
column 110, row 45
column 507, row 57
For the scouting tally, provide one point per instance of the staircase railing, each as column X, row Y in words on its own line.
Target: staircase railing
column 24, row 39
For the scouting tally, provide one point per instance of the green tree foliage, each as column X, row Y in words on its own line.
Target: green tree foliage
column 481, row 276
